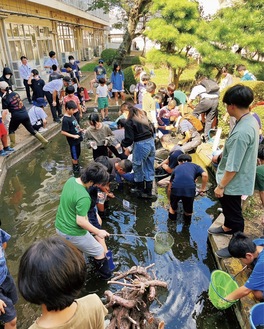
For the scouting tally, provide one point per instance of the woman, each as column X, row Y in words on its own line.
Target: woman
column 117, row 80
column 139, row 131
column 11, row 101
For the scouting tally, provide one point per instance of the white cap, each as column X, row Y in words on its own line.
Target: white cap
column 3, row 85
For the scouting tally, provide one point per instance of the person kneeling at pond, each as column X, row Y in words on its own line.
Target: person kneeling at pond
column 37, row 115
column 71, row 219
column 12, row 102
column 51, row 274
column 191, row 137
column 182, row 186
column 242, row 247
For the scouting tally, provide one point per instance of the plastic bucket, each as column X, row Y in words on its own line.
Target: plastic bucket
column 257, row 316
column 220, row 286
column 163, row 242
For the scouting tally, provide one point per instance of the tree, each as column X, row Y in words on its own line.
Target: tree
column 131, row 13
column 174, row 29
column 241, row 25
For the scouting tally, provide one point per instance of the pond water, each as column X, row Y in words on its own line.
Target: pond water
column 29, row 202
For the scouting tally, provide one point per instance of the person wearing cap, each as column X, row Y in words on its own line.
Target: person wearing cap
column 25, row 72
column 99, row 72
column 54, row 93
column 12, row 102
column 51, row 61
column 37, row 115
column 36, row 84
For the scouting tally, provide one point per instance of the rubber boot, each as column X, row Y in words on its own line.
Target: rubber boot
column 147, row 194
column 139, row 188
column 42, row 140
column 102, row 268
column 76, row 170
column 109, row 256
column 12, row 138
column 172, row 216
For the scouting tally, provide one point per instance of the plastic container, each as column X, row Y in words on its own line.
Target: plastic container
column 163, row 242
column 257, row 316
column 221, row 285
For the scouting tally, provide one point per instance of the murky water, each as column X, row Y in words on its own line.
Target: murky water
column 28, row 204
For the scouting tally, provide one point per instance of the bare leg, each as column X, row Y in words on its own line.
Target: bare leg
column 11, row 324
column 103, row 113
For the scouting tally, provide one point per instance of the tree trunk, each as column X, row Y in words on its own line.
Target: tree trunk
column 134, row 14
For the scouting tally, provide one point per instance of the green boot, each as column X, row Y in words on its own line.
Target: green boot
column 12, row 138
column 42, row 140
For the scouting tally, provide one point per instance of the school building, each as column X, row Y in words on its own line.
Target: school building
column 35, row 27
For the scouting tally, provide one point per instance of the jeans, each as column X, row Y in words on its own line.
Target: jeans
column 143, row 160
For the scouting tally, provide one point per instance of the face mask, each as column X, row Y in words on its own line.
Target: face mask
column 36, row 77
column 8, row 76
column 72, row 61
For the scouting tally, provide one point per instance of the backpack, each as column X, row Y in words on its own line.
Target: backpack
column 210, row 85
column 194, row 121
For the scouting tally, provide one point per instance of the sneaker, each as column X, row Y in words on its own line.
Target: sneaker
column 95, row 110
column 3, row 153
column 9, row 149
column 219, row 230
column 42, row 130
column 223, row 253
column 90, row 92
column 60, row 115
column 57, row 120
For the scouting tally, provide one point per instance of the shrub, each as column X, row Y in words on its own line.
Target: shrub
column 258, row 89
column 108, row 55
column 129, row 77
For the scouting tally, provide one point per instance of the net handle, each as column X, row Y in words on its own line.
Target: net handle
column 134, row 236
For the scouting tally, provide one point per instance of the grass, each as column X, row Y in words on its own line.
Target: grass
column 89, row 67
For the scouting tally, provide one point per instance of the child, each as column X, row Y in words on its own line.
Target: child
column 71, row 97
column 140, row 89
column 80, row 95
column 117, row 80
column 55, row 74
column 59, row 275
column 3, row 136
column 36, row 84
column 99, row 136
column 37, row 115
column 75, row 67
column 182, row 186
column 102, row 97
column 71, row 129
column 8, row 293
column 242, row 247
column 148, row 102
column 166, row 114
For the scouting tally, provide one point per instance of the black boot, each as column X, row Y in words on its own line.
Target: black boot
column 172, row 216
column 102, row 268
column 147, row 194
column 139, row 188
column 76, row 170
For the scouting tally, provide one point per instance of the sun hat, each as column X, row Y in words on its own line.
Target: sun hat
column 40, row 102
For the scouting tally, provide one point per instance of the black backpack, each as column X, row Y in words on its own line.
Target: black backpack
column 210, row 85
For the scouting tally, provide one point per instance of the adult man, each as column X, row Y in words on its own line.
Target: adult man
column 99, row 72
column 72, row 222
column 54, row 94
column 52, row 60
column 236, row 171
column 208, row 104
column 25, row 73
column 245, row 74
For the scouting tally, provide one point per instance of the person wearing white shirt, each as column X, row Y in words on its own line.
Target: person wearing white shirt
column 25, row 72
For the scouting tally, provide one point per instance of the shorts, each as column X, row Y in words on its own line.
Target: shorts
column 187, row 203
column 117, row 91
column 8, row 294
column 102, row 103
column 75, row 151
column 92, row 216
column 85, row 243
column 3, row 131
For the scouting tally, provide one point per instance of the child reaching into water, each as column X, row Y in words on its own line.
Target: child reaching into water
column 167, row 114
column 59, row 274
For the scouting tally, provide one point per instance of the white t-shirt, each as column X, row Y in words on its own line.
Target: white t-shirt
column 200, row 90
column 102, row 91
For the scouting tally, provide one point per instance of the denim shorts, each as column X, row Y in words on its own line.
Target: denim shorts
column 8, row 294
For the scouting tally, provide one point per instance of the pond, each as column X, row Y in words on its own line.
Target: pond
column 29, row 202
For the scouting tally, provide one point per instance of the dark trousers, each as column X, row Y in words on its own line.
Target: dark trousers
column 232, row 211
column 20, row 117
column 27, row 86
column 54, row 109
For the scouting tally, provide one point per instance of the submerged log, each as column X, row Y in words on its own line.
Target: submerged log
column 130, row 305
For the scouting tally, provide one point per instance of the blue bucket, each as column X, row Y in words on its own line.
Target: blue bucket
column 257, row 316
